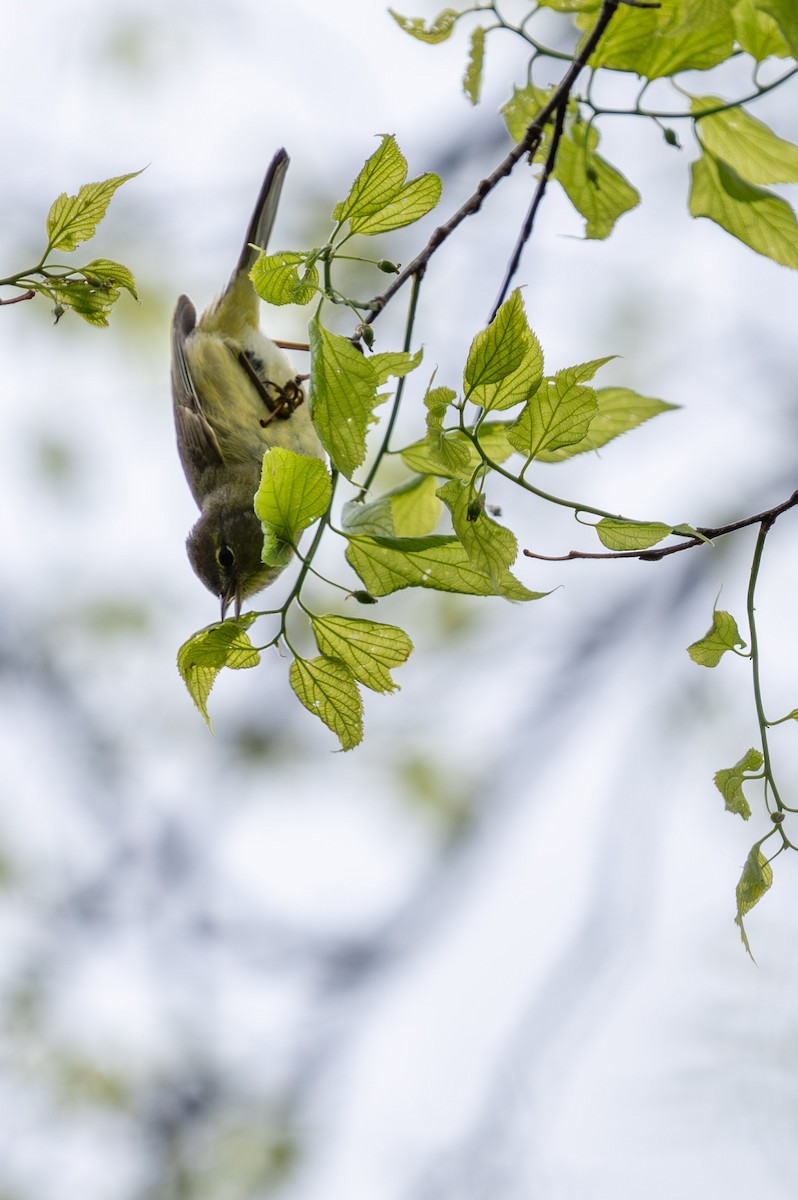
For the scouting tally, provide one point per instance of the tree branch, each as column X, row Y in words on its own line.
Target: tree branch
column 29, row 295
column 528, row 144
column 525, row 233
column 767, row 518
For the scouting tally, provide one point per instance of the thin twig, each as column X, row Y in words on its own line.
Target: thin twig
column 526, row 232
column 29, row 295
column 527, row 145
column 767, row 517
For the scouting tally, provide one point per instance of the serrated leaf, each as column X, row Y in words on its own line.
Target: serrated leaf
column 499, row 349
column 370, row 649
column 755, row 216
column 294, row 491
column 443, row 446
column 328, row 689
column 277, row 279
column 394, row 363
column 756, row 879
column 91, row 303
column 595, row 188
column 387, row 565
column 745, row 144
column 491, row 547
column 785, row 14
column 559, row 414
column 721, row 637
column 437, row 31
column 630, row 535
column 472, row 80
column 618, row 410
column 413, row 201
column 409, row 510
column 107, row 274
column 342, row 397
column 380, row 179
column 678, row 35
column 519, row 384
column 757, row 31
column 202, row 657
column 729, row 782
column 492, row 436
column 74, row 219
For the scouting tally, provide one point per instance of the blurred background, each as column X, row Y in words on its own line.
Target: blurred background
column 490, row 953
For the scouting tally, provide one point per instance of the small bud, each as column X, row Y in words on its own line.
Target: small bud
column 671, row 138
column 777, row 817
column 387, row 266
column 366, row 335
column 58, row 313
column 475, row 509
column 363, row 597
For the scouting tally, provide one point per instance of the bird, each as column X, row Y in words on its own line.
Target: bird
column 235, row 394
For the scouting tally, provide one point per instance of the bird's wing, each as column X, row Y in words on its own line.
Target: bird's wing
column 196, row 440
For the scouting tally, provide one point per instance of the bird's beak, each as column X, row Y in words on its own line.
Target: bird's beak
column 233, row 597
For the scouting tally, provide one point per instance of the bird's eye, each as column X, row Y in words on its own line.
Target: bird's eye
column 225, row 557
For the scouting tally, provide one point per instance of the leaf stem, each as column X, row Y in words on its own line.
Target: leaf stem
column 770, row 782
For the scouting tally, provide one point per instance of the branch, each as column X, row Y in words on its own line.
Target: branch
column 765, row 518
column 524, row 236
column 29, row 295
column 528, row 144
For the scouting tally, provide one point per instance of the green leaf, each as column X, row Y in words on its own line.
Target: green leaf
column 755, row 880
column 444, row 447
column 387, row 565
column 472, row 80
column 409, row 510
column 559, row 414
column 785, row 14
column 523, row 108
column 327, row 688
column 492, row 436
column 276, row 278
column 380, row 178
column 369, row 649
column 678, row 35
column 110, row 275
column 595, row 188
column 520, row 384
column 380, row 200
column 409, row 204
column 745, row 144
column 394, row 363
column 342, row 397
column 201, row 658
column 757, row 31
column 729, row 782
column 491, row 548
column 618, row 410
column 630, row 535
column 721, row 637
column 437, row 31
column 91, row 303
column 755, row 216
column 294, row 491
column 499, row 350
column 74, row 219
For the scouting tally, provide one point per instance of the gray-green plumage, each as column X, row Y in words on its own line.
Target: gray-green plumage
column 235, row 394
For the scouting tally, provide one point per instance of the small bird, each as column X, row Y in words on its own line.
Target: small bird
column 235, row 394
